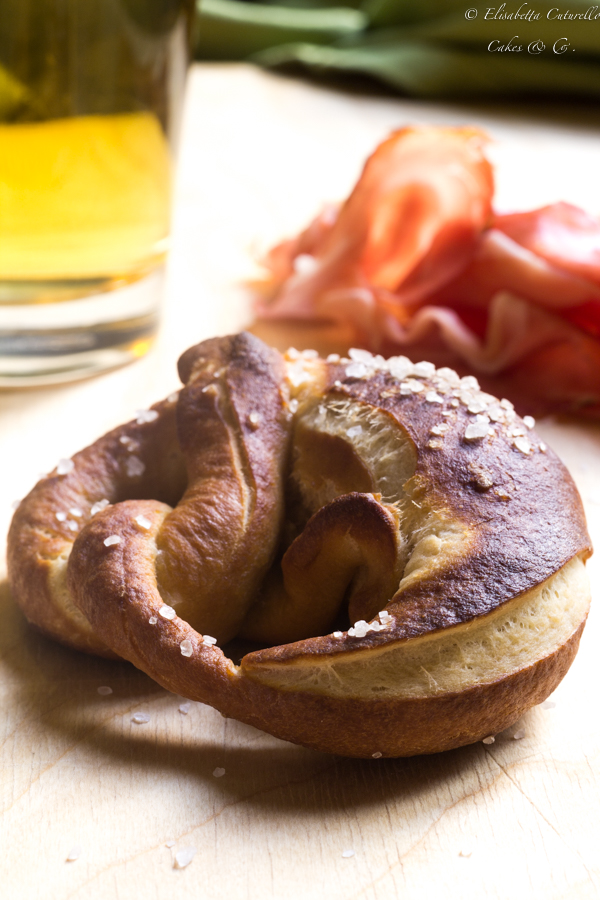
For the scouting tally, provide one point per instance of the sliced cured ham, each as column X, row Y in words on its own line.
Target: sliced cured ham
column 416, row 261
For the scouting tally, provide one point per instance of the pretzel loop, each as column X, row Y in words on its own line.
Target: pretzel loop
column 280, row 500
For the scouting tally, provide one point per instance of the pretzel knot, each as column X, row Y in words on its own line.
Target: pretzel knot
column 279, row 499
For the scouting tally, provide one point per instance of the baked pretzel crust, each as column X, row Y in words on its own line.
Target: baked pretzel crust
column 275, row 497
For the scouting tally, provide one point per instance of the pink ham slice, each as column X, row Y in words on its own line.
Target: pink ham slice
column 416, row 262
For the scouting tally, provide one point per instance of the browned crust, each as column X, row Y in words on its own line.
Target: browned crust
column 347, row 726
column 37, row 540
column 407, row 727
column 515, row 545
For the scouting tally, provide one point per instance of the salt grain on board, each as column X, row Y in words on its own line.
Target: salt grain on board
column 140, row 719
column 184, row 857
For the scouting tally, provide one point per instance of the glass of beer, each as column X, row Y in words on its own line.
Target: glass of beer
column 90, row 102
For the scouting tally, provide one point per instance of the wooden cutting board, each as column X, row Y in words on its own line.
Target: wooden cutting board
column 517, row 818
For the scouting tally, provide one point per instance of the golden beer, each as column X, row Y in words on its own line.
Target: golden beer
column 90, row 95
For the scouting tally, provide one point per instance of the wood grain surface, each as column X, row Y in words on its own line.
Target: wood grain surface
column 516, row 818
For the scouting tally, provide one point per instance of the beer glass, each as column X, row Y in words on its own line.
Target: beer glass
column 90, row 102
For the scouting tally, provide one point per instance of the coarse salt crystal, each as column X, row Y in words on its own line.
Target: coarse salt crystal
column 293, row 406
column 292, row 353
column 75, row 511
column 377, row 755
column 424, row 370
column 208, row 640
column 297, row 374
column 337, row 634
column 112, row 540
column 333, row 358
column 99, row 506
column 433, row 397
column 475, row 431
column 65, row 466
column 360, row 629
column 354, row 431
column 529, row 422
column 140, row 719
column 152, row 620
column 184, row 708
column 145, row 415
column 74, row 853
column 506, row 404
column 104, row 690
column 416, row 387
column 254, row 419
column 454, row 403
column 362, row 356
column 309, row 354
column 399, row 367
column 337, row 384
column 543, row 447
column 186, row 648
column 347, row 854
column 517, row 431
column 477, row 406
column 384, row 617
column 469, row 383
column 522, row 445
column 440, row 429
column 134, row 467
column 449, row 375
column 61, row 516
column 435, row 444
column 489, row 740
column 519, row 735
column 167, row 612
column 71, row 525
column 218, row 772
column 496, row 413
column 184, row 857
column 143, row 522
column 356, row 370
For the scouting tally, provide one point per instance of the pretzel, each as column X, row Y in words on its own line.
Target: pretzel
column 403, row 551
